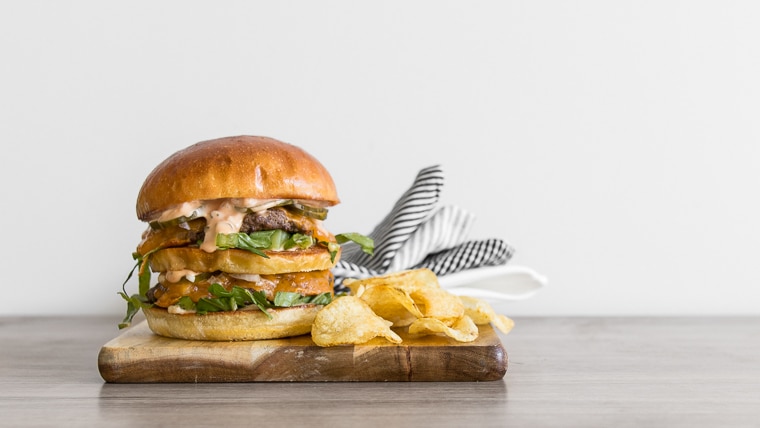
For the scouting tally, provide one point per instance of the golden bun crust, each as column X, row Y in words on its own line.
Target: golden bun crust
column 234, row 325
column 241, row 261
column 235, row 167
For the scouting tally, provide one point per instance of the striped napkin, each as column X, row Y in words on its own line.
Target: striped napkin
column 417, row 233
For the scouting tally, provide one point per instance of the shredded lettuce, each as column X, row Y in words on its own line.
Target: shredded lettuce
column 365, row 242
column 243, row 241
column 257, row 242
column 239, row 297
column 137, row 301
column 285, row 299
column 134, row 304
column 186, row 303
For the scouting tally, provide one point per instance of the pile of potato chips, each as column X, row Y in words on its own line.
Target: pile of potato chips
column 411, row 299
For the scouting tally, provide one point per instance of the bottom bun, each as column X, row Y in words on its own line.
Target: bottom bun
column 234, row 325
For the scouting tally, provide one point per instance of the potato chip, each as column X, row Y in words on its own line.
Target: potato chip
column 430, row 300
column 414, row 298
column 408, row 280
column 503, row 323
column 391, row 304
column 477, row 309
column 482, row 313
column 349, row 320
column 462, row 330
column 438, row 303
column 355, row 285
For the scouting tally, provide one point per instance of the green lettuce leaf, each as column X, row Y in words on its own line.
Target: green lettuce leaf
column 238, row 297
column 286, row 299
column 137, row 301
column 299, row 240
column 257, row 242
column 366, row 243
column 243, row 241
column 134, row 304
column 186, row 303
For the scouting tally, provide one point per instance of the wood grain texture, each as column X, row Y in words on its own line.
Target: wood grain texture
column 563, row 372
column 139, row 356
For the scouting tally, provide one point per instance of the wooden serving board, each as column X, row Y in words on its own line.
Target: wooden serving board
column 139, row 356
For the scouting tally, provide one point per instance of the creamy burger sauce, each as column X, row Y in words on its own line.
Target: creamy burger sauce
column 223, row 218
column 176, row 275
column 222, row 215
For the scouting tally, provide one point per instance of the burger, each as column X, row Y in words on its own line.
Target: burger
column 236, row 237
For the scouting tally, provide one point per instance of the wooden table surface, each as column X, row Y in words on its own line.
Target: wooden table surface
column 568, row 372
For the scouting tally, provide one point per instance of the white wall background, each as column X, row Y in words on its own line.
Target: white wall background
column 616, row 144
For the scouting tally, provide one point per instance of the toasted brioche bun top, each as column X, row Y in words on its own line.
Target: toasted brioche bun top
column 235, row 167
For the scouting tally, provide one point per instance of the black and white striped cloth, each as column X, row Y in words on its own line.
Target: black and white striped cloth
column 417, row 233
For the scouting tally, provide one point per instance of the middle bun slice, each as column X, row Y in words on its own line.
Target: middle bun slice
column 242, row 261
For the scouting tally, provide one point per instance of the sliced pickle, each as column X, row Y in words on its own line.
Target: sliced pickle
column 305, row 210
column 265, row 206
column 203, row 276
column 309, row 211
column 156, row 225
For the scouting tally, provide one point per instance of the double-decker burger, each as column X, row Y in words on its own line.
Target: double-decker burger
column 236, row 237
